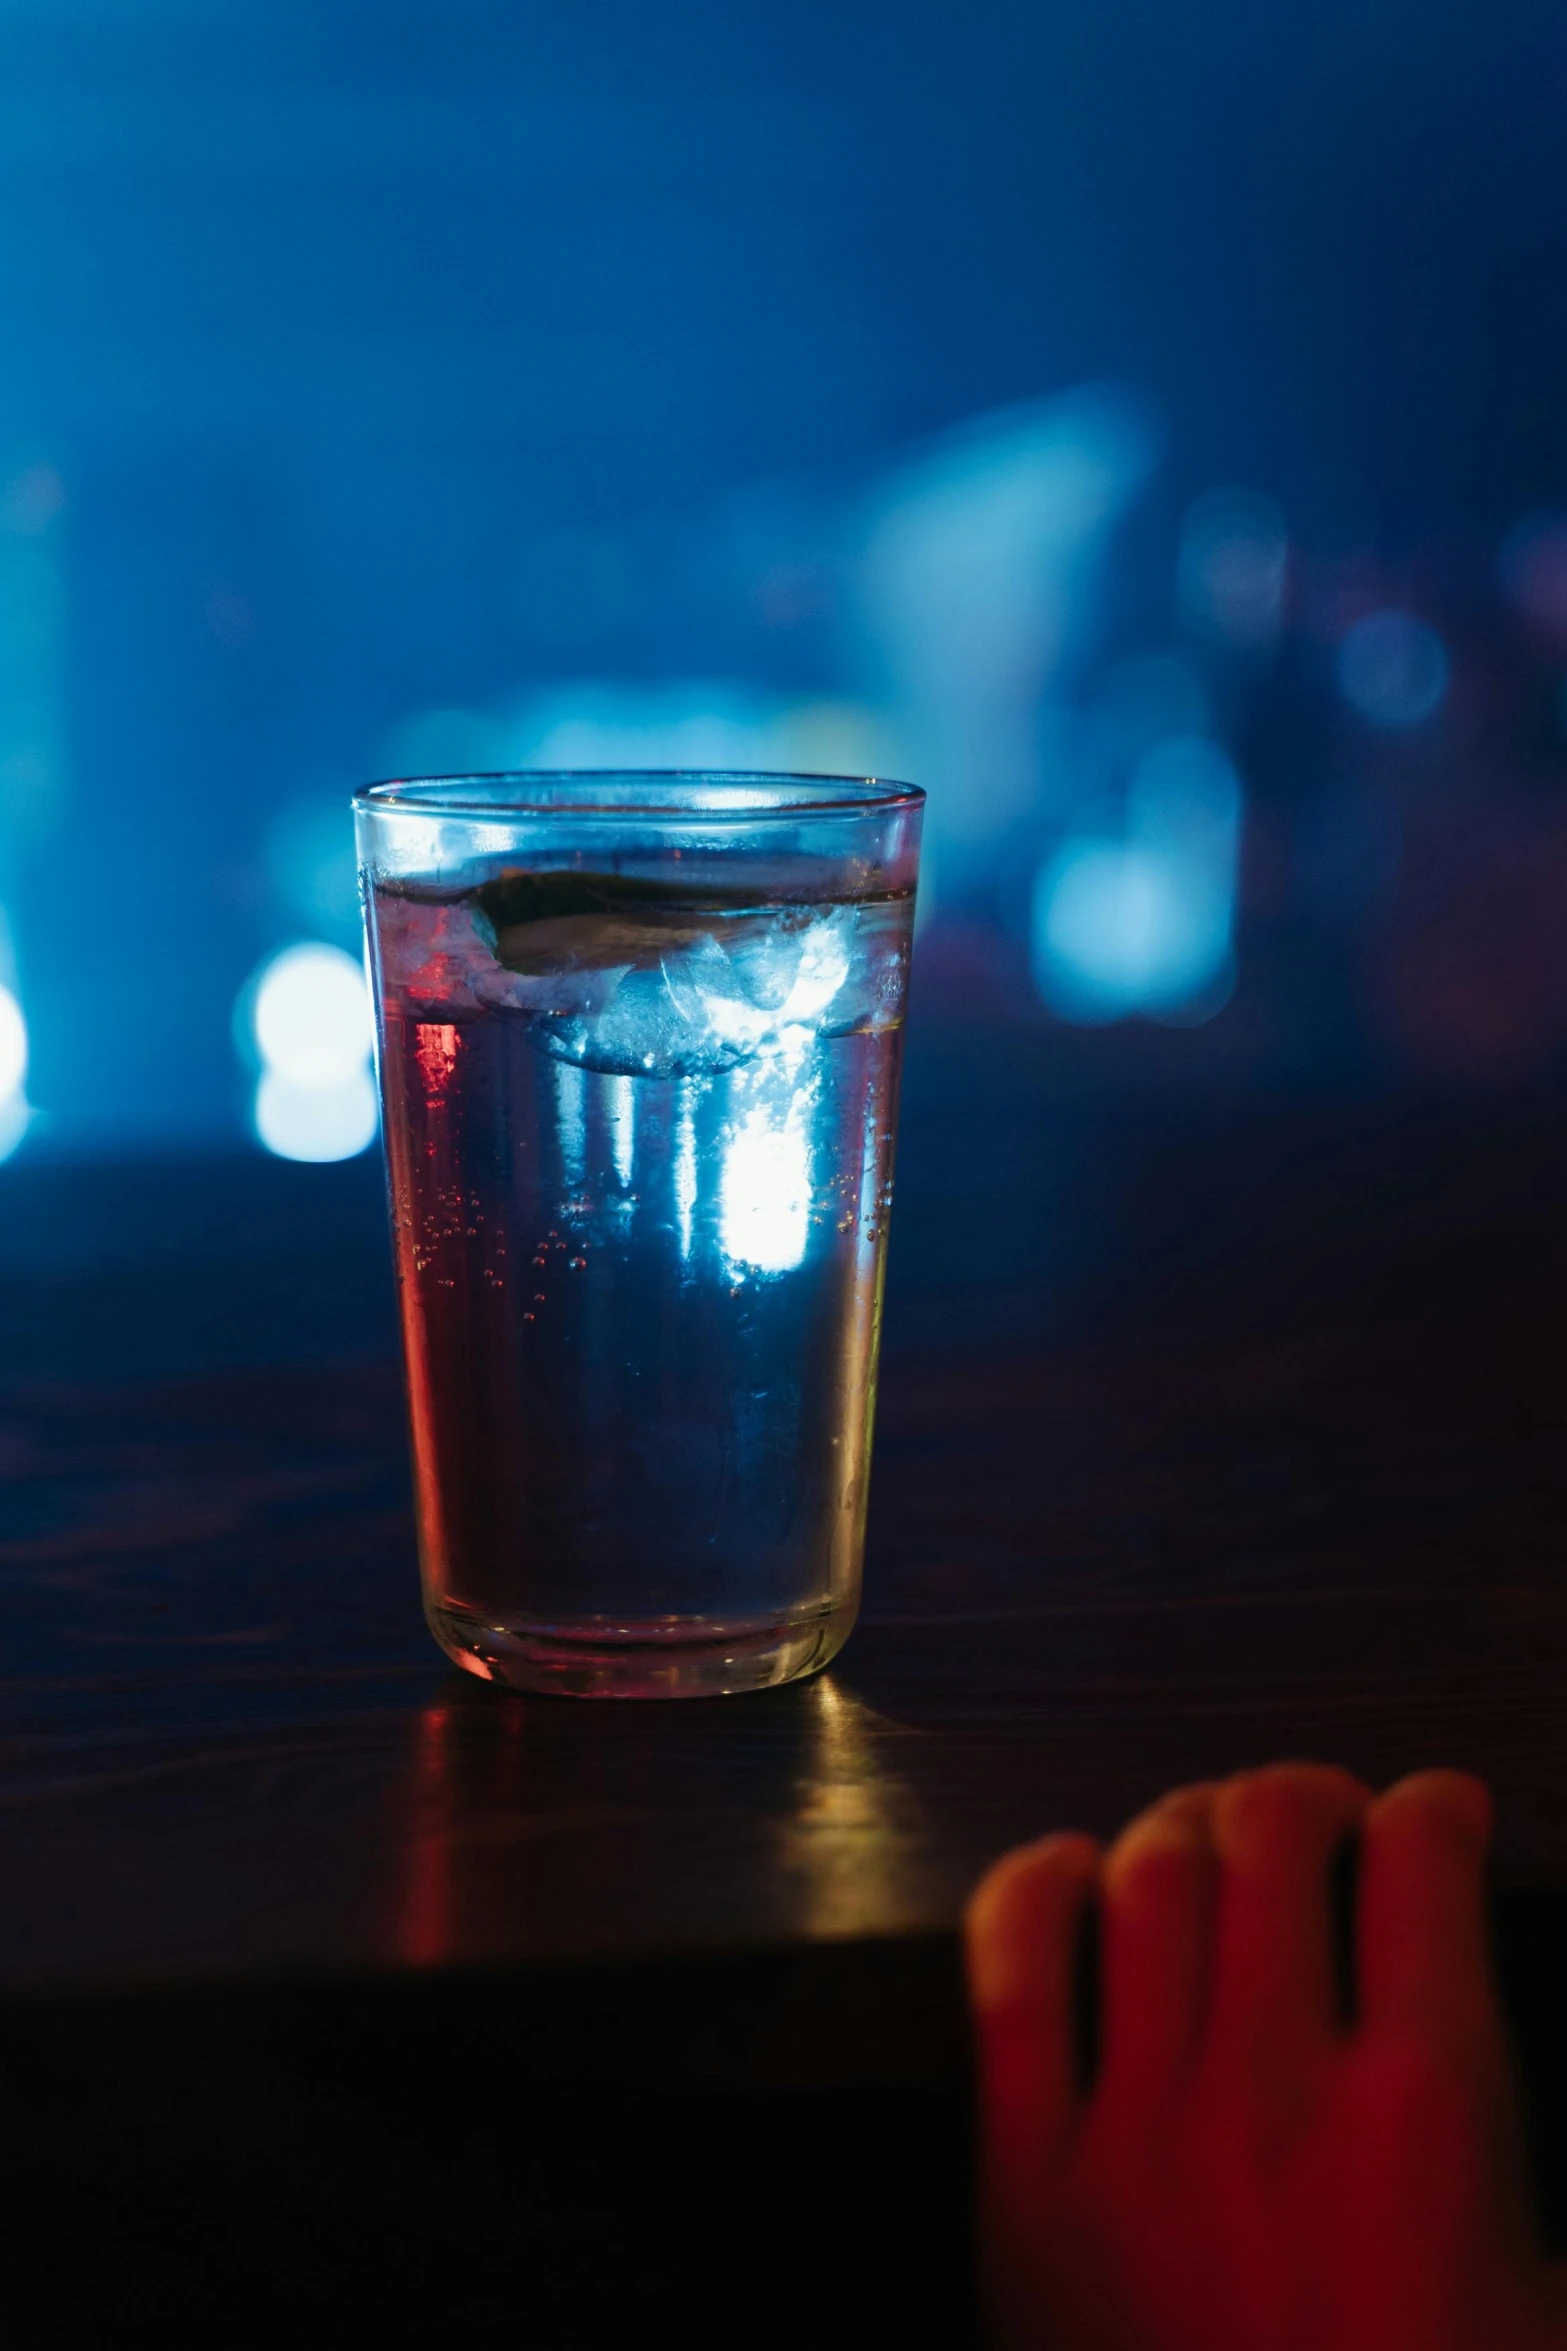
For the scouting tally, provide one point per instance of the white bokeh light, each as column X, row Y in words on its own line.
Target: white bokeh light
column 15, row 1113
column 307, row 1011
column 316, row 1122
column 311, row 1016
column 13, row 1046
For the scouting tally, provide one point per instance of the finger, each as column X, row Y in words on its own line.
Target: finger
column 1021, row 1937
column 1157, row 1904
column 1276, row 1833
column 1422, row 1949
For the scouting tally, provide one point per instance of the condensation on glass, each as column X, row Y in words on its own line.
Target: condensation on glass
column 639, row 1043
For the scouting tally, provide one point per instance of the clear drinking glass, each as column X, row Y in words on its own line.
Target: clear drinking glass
column 640, row 1038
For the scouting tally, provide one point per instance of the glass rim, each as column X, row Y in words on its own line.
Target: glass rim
column 797, row 794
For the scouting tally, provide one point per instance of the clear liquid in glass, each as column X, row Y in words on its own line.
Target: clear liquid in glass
column 640, row 1175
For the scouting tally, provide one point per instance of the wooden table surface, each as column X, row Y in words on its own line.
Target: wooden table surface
column 1210, row 1431
column 340, row 1990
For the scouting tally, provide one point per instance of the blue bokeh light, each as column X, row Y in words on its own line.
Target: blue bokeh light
column 1393, row 669
column 1142, row 922
column 1233, row 567
column 391, row 391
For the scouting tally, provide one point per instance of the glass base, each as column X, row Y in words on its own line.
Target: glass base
column 692, row 1660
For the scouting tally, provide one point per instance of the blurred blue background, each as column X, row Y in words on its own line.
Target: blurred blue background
column 1145, row 427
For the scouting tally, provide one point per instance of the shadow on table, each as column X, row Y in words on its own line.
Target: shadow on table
column 559, row 2156
column 565, row 2154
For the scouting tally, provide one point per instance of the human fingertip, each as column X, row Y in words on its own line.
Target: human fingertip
column 1065, row 1855
column 1029, row 1896
column 1193, row 1802
column 1178, row 1825
column 1452, row 1800
column 1277, row 1797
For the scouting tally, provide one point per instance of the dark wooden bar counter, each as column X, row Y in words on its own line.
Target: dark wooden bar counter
column 1211, row 1430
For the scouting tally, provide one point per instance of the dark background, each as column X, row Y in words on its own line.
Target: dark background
column 386, row 386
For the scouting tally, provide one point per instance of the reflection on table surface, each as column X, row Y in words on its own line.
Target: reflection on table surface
column 1202, row 1438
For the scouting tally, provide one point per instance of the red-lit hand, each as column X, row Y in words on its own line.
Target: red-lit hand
column 1248, row 2172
